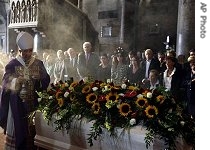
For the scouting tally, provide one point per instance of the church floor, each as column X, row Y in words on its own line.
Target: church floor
column 2, row 138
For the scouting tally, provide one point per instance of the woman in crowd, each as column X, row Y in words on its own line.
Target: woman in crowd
column 172, row 77
column 104, row 68
column 119, row 70
column 135, row 74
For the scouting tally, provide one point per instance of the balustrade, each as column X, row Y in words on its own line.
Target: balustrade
column 24, row 11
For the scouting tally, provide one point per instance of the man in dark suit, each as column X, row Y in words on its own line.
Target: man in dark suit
column 60, row 68
column 88, row 62
column 190, row 86
column 149, row 63
column 72, row 61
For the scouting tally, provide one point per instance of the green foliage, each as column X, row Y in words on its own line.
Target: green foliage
column 111, row 107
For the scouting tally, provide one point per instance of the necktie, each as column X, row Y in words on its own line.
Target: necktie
column 87, row 58
column 72, row 62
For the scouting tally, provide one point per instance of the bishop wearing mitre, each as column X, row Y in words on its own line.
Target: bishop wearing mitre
column 24, row 77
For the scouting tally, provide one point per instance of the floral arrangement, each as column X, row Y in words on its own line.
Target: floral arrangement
column 113, row 107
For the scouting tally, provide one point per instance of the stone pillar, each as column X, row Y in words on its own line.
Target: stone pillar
column 136, row 20
column 79, row 4
column 122, row 22
column 185, row 27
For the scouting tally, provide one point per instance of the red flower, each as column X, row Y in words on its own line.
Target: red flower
column 102, row 98
column 130, row 94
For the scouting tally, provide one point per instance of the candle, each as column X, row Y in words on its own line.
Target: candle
column 106, row 88
column 167, row 39
column 108, row 81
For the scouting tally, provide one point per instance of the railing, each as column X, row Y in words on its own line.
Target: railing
column 23, row 12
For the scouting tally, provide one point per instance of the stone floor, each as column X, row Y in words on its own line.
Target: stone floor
column 2, row 138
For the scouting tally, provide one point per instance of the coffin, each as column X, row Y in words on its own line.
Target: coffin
column 46, row 137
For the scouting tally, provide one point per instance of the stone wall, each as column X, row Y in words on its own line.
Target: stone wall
column 146, row 23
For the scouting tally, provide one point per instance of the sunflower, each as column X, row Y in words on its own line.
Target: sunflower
column 112, row 96
column 115, row 87
column 141, row 102
column 96, row 108
column 91, row 98
column 132, row 88
column 160, row 98
column 86, row 89
column 151, row 111
column 109, row 86
column 58, row 94
column 60, row 102
column 102, row 84
column 74, row 84
column 62, row 86
column 72, row 97
column 125, row 109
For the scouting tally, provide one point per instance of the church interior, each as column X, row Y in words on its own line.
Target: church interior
column 134, row 25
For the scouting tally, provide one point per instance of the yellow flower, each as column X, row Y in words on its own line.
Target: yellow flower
column 109, row 104
column 60, row 102
column 115, row 87
column 96, row 108
column 141, row 102
column 125, row 109
column 132, row 88
column 58, row 94
column 151, row 111
column 109, row 86
column 107, row 125
column 73, row 84
column 112, row 97
column 91, row 98
column 160, row 98
column 102, row 85
column 86, row 89
column 62, row 86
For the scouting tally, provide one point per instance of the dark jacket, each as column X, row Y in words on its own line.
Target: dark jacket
column 155, row 64
column 90, row 68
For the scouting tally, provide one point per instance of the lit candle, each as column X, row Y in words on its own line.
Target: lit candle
column 106, row 88
column 108, row 80
column 167, row 39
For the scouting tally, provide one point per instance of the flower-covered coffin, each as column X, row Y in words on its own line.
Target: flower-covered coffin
column 76, row 138
column 110, row 108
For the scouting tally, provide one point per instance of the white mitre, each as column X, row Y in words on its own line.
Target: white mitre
column 25, row 40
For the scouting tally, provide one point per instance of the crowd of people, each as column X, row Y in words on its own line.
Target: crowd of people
column 150, row 70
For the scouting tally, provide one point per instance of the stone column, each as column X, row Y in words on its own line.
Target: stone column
column 79, row 4
column 122, row 22
column 136, row 20
column 185, row 27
